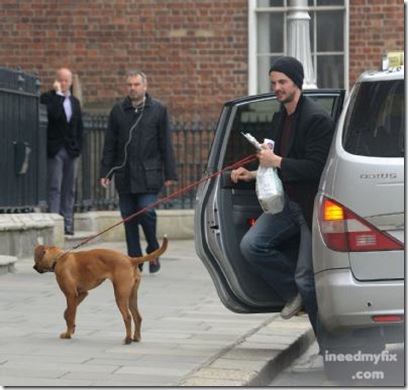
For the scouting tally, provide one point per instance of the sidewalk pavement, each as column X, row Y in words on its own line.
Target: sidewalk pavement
column 188, row 337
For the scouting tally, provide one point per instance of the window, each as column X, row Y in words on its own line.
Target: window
column 255, row 117
column 268, row 37
column 375, row 121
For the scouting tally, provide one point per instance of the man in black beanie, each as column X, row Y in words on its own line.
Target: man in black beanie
column 291, row 67
column 302, row 131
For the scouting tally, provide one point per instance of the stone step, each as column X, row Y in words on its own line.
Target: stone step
column 7, row 264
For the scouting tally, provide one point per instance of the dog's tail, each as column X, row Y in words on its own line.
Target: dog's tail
column 151, row 256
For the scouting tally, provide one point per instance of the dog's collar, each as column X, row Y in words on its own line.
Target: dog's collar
column 54, row 264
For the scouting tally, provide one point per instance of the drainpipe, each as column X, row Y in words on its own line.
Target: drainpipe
column 299, row 39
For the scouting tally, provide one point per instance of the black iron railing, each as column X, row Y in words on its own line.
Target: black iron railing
column 23, row 128
column 22, row 144
column 191, row 141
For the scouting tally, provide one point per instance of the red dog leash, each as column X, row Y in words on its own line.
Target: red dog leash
column 237, row 164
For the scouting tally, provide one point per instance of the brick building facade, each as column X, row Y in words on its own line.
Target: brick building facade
column 195, row 52
column 376, row 26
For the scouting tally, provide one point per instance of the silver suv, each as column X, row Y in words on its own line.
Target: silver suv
column 358, row 227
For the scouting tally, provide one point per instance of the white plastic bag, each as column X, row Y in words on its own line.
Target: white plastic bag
column 269, row 190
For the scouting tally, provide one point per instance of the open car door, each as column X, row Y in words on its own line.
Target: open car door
column 225, row 211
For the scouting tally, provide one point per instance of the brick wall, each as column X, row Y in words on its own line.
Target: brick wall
column 376, row 26
column 194, row 52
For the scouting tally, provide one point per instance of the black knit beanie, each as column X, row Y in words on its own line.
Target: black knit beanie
column 291, row 67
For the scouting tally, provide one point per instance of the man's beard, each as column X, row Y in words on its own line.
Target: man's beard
column 136, row 100
column 288, row 98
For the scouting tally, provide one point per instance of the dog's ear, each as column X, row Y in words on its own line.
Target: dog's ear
column 39, row 252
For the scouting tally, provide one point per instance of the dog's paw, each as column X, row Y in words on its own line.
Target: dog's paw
column 127, row 340
column 136, row 339
column 65, row 335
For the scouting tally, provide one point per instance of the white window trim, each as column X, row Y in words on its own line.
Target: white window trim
column 347, row 48
column 253, row 44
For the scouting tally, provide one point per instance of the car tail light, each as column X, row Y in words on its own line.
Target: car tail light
column 345, row 231
column 388, row 318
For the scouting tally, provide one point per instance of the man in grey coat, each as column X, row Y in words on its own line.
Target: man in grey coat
column 138, row 151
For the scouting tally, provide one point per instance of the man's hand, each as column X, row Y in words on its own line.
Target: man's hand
column 57, row 86
column 268, row 158
column 105, row 182
column 169, row 183
column 242, row 174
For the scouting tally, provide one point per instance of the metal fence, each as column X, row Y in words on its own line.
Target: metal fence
column 22, row 145
column 23, row 124
column 191, row 141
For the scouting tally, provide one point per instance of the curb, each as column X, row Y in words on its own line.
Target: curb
column 7, row 264
column 257, row 357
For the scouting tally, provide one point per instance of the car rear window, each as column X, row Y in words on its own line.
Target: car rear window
column 375, row 120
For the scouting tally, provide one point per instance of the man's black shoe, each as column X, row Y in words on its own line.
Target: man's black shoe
column 69, row 232
column 154, row 266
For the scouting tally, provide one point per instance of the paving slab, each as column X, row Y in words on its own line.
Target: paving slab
column 188, row 337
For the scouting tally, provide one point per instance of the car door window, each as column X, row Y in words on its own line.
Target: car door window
column 255, row 117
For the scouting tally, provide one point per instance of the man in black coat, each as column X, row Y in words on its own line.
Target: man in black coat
column 303, row 132
column 138, row 151
column 64, row 144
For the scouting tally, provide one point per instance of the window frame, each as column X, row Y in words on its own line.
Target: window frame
column 253, row 13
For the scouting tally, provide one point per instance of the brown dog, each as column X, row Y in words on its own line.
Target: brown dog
column 79, row 272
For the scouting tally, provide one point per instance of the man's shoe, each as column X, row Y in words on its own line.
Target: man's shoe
column 154, row 266
column 292, row 307
column 314, row 364
column 69, row 232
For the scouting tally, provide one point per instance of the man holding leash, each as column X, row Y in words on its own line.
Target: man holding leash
column 302, row 131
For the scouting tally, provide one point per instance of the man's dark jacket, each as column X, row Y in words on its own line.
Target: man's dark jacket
column 149, row 155
column 308, row 147
column 60, row 132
